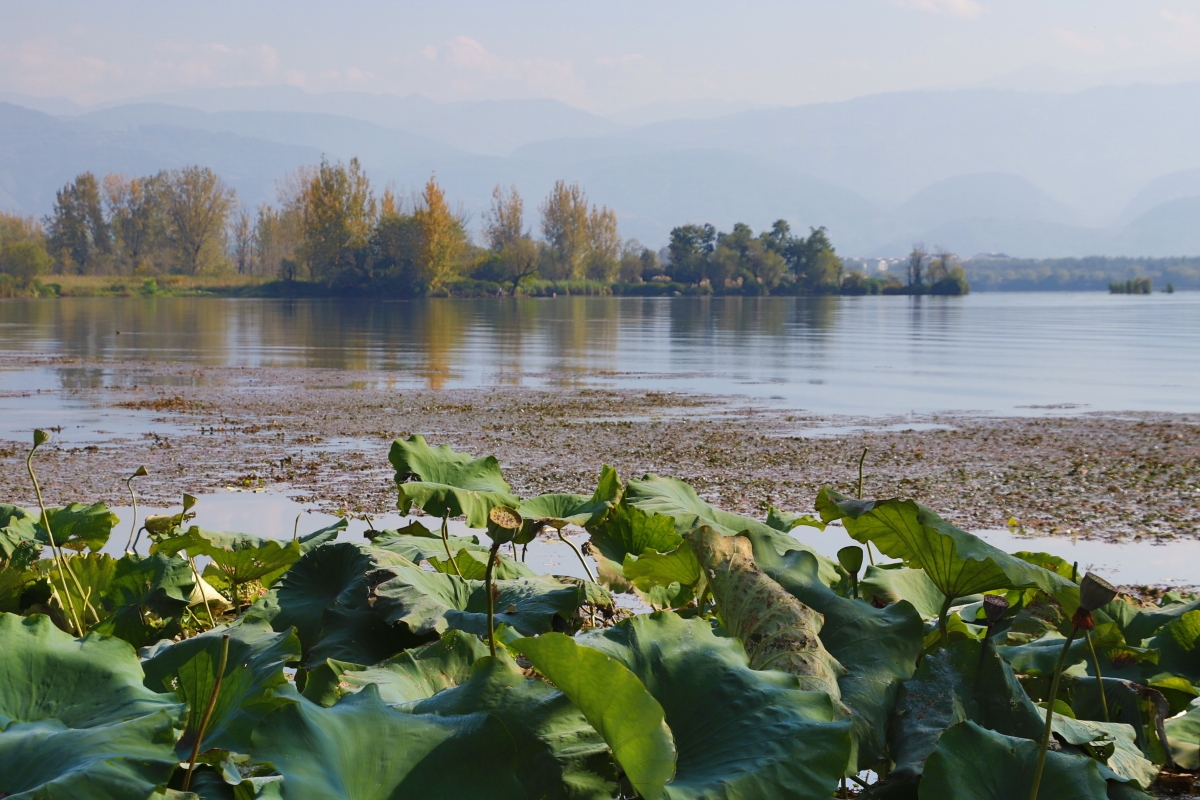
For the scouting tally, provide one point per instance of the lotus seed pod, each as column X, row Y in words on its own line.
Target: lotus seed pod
column 141, row 472
column 503, row 524
column 851, row 559
column 994, row 607
column 1083, row 619
column 189, row 500
column 40, row 437
column 1095, row 592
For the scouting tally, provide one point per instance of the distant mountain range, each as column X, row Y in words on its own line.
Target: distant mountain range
column 1106, row 171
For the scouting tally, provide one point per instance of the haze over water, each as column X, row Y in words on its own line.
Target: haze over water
column 996, row 353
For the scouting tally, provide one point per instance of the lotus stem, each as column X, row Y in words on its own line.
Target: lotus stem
column 943, row 624
column 861, row 460
column 296, row 527
column 208, row 711
column 446, row 544
column 493, row 554
column 1045, row 743
column 578, row 554
column 1099, row 678
column 63, row 567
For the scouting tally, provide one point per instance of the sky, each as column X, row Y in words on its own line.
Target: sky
column 605, row 57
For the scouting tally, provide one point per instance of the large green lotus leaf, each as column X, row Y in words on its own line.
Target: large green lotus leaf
column 240, row 556
column 1178, row 642
column 653, row 569
column 76, row 526
column 614, row 702
column 19, row 543
column 739, row 733
column 158, row 584
column 360, row 749
column 1128, row 703
column 253, row 672
column 958, row 563
column 560, row 756
column 359, row 636
column 329, row 533
column 441, row 482
column 951, row 685
column 330, row 575
column 45, row 761
column 1040, row 656
column 1098, row 738
column 45, row 674
column 1183, row 737
column 974, row 763
column 777, row 630
column 630, row 531
column 676, row 499
column 428, row 602
column 473, row 566
column 878, row 647
column 888, row 586
column 1147, row 622
column 415, row 674
column 94, row 572
column 560, row 510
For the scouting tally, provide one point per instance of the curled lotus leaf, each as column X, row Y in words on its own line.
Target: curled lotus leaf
column 119, row 759
column 958, row 563
column 670, row 497
column 442, row 482
column 431, row 602
column 361, row 749
column 628, row 530
column 158, row 584
column 77, row 526
column 884, row 586
column 971, row 762
column 1110, row 743
column 879, row 647
column 777, row 630
column 1183, row 737
column 786, row 521
column 241, row 557
column 42, row 669
column 758, row 735
column 560, row 510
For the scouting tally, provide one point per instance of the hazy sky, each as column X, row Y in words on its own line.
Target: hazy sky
column 602, row 56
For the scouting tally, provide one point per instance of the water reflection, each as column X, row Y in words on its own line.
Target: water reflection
column 871, row 355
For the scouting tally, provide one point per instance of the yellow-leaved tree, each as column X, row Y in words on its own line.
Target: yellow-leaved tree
column 443, row 237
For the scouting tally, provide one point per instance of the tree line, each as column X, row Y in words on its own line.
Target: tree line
column 330, row 230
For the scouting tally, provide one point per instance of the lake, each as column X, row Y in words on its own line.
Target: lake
column 995, row 353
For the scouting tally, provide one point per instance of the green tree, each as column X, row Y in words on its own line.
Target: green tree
column 197, row 205
column 137, row 222
column 689, row 249
column 78, row 233
column 396, row 252
column 25, row 260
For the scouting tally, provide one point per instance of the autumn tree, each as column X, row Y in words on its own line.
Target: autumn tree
column 916, row 263
column 504, row 222
column 23, row 253
column 136, row 219
column 603, row 246
column 443, row 236
column 339, row 214
column 565, row 227
column 241, row 241
column 197, row 205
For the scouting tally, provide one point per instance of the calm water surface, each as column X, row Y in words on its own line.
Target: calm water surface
column 992, row 353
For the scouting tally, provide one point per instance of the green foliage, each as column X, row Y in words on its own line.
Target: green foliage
column 442, row 482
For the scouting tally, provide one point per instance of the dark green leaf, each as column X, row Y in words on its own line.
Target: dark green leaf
column 76, row 526
column 442, row 482
column 1183, row 737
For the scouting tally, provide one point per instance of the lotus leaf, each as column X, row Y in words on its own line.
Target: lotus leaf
column 757, row 734
column 417, row 543
column 442, row 482
column 672, row 574
column 974, row 763
column 951, row 685
column 241, row 557
column 93, row 571
column 330, row 575
column 1183, row 737
column 473, row 566
column 560, row 510
column 1179, row 643
column 45, row 761
column 19, row 544
column 415, row 674
column 614, row 702
column 159, row 584
column 360, row 749
column 13, row 582
column 777, row 630
column 253, row 673
column 886, row 586
column 957, row 562
column 43, row 668
column 358, row 636
column 1110, row 743
column 76, row 526
column 878, row 647
column 674, row 498
column 785, row 521
column 322, row 536
column 1147, row 622
column 427, row 602
column 630, row 531
column 559, row 754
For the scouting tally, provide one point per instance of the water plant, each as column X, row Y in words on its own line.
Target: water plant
column 417, row 663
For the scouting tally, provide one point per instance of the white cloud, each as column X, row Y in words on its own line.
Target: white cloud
column 964, row 9
column 468, row 70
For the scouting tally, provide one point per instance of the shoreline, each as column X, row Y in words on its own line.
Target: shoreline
column 323, row 434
